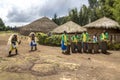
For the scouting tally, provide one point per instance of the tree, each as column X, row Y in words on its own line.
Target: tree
column 2, row 25
column 73, row 15
column 55, row 19
column 107, row 7
column 93, row 3
column 116, row 10
column 84, row 15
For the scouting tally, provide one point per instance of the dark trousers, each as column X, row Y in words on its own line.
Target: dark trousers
column 90, row 47
column 85, row 47
column 68, row 49
column 104, row 47
column 79, row 47
column 96, row 48
column 74, row 47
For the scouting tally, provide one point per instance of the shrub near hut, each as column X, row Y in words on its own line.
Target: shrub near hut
column 44, row 39
column 114, row 46
column 41, row 38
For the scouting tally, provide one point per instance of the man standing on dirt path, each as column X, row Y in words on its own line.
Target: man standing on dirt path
column 85, row 38
column 33, row 43
column 75, row 39
column 64, row 42
column 104, row 39
column 13, row 44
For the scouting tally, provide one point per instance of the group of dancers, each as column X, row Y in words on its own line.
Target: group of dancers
column 14, row 41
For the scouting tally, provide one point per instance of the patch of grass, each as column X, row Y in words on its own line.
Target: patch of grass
column 2, row 32
column 115, row 46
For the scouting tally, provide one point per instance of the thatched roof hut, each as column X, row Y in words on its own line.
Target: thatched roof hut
column 69, row 27
column 111, row 26
column 41, row 25
column 103, row 24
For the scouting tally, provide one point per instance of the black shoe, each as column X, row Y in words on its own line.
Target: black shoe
column 9, row 54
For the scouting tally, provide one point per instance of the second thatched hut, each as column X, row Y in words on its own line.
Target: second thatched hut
column 70, row 27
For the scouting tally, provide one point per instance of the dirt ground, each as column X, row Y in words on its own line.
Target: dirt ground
column 47, row 63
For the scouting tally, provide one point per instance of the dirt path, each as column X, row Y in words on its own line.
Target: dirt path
column 47, row 63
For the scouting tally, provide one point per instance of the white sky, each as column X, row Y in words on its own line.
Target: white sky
column 20, row 12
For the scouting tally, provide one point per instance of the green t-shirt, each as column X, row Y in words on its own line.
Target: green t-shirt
column 85, row 37
column 75, row 38
column 64, row 37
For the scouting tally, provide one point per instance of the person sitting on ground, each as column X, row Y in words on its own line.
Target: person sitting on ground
column 64, row 42
column 33, row 43
column 12, row 43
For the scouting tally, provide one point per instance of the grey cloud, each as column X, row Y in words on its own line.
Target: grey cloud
column 61, row 7
column 17, row 15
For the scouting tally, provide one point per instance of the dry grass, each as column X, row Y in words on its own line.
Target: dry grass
column 103, row 23
column 69, row 27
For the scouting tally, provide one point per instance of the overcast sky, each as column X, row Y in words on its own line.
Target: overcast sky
column 20, row 12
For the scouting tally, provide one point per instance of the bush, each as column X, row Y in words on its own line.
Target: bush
column 114, row 46
column 44, row 39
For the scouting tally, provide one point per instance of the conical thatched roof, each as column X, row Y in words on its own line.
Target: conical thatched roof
column 69, row 27
column 103, row 23
column 42, row 25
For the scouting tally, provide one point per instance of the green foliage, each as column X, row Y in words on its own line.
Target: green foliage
column 95, row 10
column 41, row 38
column 44, row 39
column 2, row 26
column 116, row 10
column 9, row 31
column 73, row 15
column 83, row 15
column 114, row 46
